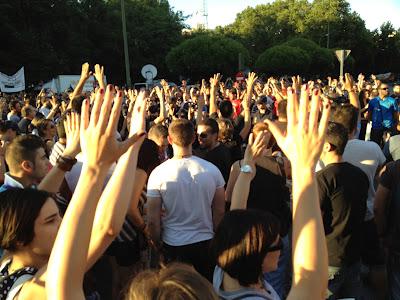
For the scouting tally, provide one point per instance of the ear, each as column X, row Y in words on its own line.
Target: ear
column 327, row 147
column 169, row 139
column 27, row 166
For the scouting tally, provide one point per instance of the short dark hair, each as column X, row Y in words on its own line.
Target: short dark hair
column 26, row 111
column 19, row 208
column 41, row 126
column 6, row 125
column 13, row 104
column 181, row 132
column 337, row 135
column 226, row 109
column 158, row 131
column 209, row 122
column 22, row 148
column 347, row 115
column 76, row 104
column 241, row 243
column 60, row 127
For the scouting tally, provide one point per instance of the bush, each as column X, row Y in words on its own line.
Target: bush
column 203, row 55
column 283, row 59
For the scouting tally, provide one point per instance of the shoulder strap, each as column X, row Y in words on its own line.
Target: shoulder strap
column 17, row 286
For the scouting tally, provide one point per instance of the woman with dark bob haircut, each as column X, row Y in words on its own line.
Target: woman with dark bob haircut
column 244, row 248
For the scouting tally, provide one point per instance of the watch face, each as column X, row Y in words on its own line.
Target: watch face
column 246, row 169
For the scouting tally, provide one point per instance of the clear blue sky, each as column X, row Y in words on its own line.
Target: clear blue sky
column 223, row 12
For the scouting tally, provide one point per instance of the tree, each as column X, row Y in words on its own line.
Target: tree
column 283, row 59
column 387, row 41
column 203, row 55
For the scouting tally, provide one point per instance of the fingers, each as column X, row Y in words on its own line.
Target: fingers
column 115, row 113
column 303, row 107
column 106, row 107
column 98, row 100
column 85, row 115
column 323, row 124
column 291, row 111
column 314, row 111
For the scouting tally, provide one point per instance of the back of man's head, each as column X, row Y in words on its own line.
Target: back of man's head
column 157, row 132
column 226, row 109
column 337, row 137
column 27, row 111
column 347, row 115
column 23, row 147
column 181, row 132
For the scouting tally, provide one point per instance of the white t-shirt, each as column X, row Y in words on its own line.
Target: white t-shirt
column 186, row 187
column 368, row 156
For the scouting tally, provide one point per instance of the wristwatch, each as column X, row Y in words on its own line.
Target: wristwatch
column 65, row 163
column 246, row 169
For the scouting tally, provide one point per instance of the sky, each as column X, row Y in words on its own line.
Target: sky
column 223, row 12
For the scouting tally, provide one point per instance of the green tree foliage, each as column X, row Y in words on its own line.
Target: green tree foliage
column 322, row 59
column 387, row 42
column 205, row 54
column 283, row 59
column 55, row 37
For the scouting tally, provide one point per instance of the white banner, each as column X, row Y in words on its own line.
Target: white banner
column 14, row 83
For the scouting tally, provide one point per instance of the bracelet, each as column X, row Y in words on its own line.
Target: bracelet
column 65, row 163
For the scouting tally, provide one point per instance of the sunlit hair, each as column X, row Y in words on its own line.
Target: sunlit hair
column 182, row 132
column 175, row 282
column 241, row 243
column 260, row 127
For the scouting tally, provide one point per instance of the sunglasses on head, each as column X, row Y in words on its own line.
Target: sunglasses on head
column 277, row 247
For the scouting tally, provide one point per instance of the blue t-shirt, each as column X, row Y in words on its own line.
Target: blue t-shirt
column 382, row 112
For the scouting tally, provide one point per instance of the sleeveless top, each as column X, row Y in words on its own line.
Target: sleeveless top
column 268, row 192
column 11, row 284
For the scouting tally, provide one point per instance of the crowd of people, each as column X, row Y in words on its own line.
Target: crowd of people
column 270, row 188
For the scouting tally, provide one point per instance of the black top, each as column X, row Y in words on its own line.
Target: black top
column 343, row 192
column 268, row 192
column 23, row 125
column 220, row 156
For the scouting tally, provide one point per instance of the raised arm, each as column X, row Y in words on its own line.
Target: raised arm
column 99, row 75
column 163, row 113
column 214, row 83
column 85, row 74
column 246, row 104
column 68, row 260
column 302, row 144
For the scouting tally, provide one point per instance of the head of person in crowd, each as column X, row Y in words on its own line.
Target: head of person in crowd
column 246, row 245
column 383, row 90
column 207, row 133
column 282, row 110
column 262, row 104
column 38, row 116
column 396, row 90
column 175, row 282
column 263, row 127
column 374, row 93
column 76, row 104
column 347, row 115
column 181, row 134
column 27, row 160
column 29, row 222
column 8, row 131
column 225, row 109
column 46, row 129
column 232, row 95
column 158, row 133
column 15, row 106
column 225, row 130
column 28, row 112
column 335, row 143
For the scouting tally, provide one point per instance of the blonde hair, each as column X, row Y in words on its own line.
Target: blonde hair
column 175, row 282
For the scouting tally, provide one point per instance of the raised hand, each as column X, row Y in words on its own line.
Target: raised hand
column 255, row 147
column 99, row 75
column 348, row 83
column 138, row 121
column 98, row 132
column 72, row 131
column 85, row 73
column 251, row 79
column 215, row 80
column 304, row 139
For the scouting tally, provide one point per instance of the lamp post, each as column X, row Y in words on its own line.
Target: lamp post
column 126, row 53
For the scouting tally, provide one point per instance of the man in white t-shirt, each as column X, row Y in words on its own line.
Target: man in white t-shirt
column 369, row 157
column 191, row 192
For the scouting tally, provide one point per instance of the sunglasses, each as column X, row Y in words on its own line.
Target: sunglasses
column 277, row 247
column 384, row 89
column 203, row 135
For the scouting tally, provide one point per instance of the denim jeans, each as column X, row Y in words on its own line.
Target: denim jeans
column 393, row 272
column 280, row 278
column 344, row 282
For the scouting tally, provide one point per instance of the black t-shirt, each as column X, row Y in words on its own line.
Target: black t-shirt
column 390, row 179
column 220, row 156
column 343, row 192
column 23, row 125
